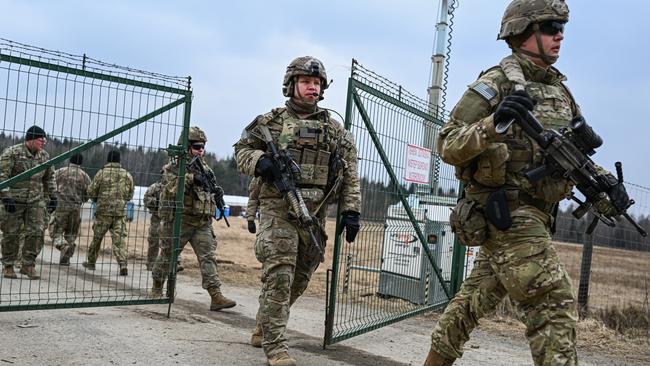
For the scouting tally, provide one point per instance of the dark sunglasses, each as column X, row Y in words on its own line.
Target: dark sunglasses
column 551, row 27
column 198, row 146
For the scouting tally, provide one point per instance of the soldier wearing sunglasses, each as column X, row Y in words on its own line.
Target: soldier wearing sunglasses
column 199, row 207
column 518, row 259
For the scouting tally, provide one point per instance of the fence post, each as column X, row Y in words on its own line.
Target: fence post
column 585, row 271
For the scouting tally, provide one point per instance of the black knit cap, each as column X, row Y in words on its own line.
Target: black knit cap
column 113, row 156
column 77, row 159
column 34, row 132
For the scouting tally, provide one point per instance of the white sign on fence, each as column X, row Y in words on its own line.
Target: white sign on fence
column 418, row 163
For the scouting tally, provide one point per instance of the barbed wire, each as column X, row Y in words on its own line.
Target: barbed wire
column 88, row 63
column 384, row 85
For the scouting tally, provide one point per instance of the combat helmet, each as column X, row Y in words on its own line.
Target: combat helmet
column 522, row 13
column 195, row 134
column 305, row 65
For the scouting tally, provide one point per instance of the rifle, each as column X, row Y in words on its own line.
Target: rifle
column 567, row 155
column 196, row 167
column 289, row 171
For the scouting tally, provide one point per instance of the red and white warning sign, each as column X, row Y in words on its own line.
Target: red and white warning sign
column 418, row 163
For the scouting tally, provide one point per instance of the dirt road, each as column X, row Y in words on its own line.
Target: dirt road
column 193, row 335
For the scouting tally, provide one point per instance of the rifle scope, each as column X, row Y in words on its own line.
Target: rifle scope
column 585, row 138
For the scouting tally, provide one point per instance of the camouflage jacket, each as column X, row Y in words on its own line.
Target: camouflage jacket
column 17, row 159
column 253, row 198
column 111, row 188
column 72, row 183
column 198, row 205
column 152, row 198
column 485, row 160
column 251, row 147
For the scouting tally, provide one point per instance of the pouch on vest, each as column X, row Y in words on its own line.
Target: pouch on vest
column 203, row 204
column 468, row 223
column 497, row 211
column 491, row 165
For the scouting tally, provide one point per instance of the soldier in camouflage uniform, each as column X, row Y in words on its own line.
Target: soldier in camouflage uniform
column 199, row 207
column 24, row 202
column 72, row 183
column 327, row 157
column 517, row 259
column 111, row 188
column 151, row 202
column 253, row 203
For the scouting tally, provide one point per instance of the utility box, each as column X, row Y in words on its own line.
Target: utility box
column 406, row 271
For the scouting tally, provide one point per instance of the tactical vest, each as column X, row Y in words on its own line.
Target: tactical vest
column 503, row 164
column 310, row 144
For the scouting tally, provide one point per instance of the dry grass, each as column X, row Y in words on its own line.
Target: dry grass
column 619, row 278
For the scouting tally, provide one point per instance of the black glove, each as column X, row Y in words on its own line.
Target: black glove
column 266, row 169
column 251, row 227
column 51, row 205
column 10, row 204
column 221, row 204
column 200, row 180
column 349, row 221
column 514, row 106
column 618, row 196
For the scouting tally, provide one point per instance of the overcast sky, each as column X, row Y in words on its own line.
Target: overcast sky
column 237, row 51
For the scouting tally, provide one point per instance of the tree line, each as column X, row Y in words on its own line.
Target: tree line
column 144, row 164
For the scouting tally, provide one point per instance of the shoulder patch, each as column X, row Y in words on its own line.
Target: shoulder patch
column 484, row 90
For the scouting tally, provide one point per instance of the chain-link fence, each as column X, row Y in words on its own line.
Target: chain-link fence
column 114, row 117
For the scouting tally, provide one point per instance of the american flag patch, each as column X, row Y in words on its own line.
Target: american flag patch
column 485, row 91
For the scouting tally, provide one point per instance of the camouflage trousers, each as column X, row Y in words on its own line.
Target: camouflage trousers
column 64, row 229
column 520, row 262
column 288, row 262
column 117, row 227
column 29, row 222
column 204, row 244
column 153, row 239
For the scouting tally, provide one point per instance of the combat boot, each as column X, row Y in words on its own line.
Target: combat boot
column 64, row 261
column 124, row 271
column 282, row 359
column 8, row 272
column 156, row 289
column 30, row 272
column 218, row 300
column 88, row 266
column 65, row 255
column 436, row 359
column 256, row 337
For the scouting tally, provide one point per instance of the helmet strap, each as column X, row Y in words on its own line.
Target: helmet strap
column 548, row 60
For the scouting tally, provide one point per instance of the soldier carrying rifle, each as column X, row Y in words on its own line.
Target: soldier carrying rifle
column 306, row 161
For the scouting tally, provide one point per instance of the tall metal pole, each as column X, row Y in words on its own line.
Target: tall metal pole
column 434, row 90
column 438, row 59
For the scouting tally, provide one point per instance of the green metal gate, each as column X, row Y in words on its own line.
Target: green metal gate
column 91, row 107
column 405, row 260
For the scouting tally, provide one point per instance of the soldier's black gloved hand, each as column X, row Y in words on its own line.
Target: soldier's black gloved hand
column 514, row 106
column 10, row 204
column 51, row 205
column 251, row 227
column 349, row 221
column 620, row 199
column 265, row 168
column 200, row 180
